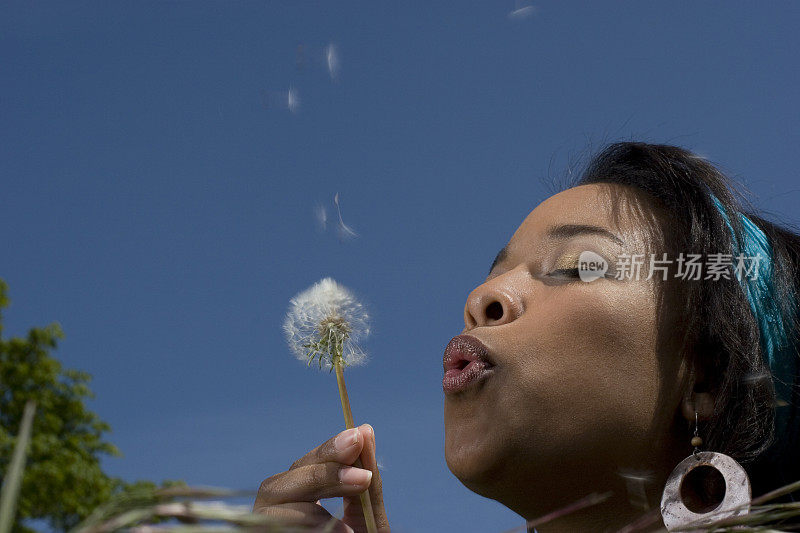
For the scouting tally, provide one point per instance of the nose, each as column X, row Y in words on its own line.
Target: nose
column 491, row 304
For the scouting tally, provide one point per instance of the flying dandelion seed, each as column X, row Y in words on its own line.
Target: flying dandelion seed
column 522, row 11
column 701, row 154
column 281, row 100
column 332, row 60
column 293, row 100
column 635, row 483
column 321, row 214
column 754, row 377
column 325, row 323
column 345, row 232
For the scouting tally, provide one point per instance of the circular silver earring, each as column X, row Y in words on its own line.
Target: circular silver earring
column 703, row 488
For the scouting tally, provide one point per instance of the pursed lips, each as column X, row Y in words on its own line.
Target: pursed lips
column 466, row 361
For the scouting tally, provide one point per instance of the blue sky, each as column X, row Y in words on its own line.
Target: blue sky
column 158, row 196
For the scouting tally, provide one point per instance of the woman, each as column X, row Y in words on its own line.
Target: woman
column 594, row 352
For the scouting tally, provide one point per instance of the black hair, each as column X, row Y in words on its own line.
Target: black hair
column 719, row 334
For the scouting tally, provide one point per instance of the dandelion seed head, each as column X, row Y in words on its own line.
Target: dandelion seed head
column 325, row 320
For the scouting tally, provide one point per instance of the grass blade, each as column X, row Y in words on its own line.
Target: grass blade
column 13, row 479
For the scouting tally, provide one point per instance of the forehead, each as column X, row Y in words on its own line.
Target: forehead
column 607, row 205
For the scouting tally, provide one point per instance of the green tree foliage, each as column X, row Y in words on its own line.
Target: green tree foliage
column 63, row 481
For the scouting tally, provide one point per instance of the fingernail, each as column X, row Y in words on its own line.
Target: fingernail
column 345, row 440
column 367, row 429
column 350, row 475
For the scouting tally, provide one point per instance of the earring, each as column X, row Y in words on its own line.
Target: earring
column 703, row 488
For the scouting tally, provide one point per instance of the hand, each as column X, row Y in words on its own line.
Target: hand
column 327, row 472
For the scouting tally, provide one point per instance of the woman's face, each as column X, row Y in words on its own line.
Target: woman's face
column 582, row 391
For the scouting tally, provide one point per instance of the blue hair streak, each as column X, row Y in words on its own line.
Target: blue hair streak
column 753, row 266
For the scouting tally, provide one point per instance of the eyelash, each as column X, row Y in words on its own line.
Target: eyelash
column 566, row 272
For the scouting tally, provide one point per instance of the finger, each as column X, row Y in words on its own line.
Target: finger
column 306, row 515
column 369, row 462
column 342, row 448
column 311, row 483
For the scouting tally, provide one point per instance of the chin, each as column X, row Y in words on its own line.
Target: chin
column 480, row 482
column 474, row 458
column 486, row 458
column 489, row 473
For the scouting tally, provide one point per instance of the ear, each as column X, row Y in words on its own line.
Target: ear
column 697, row 398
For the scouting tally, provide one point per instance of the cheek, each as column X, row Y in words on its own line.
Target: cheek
column 587, row 364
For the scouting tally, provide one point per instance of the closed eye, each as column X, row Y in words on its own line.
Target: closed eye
column 565, row 272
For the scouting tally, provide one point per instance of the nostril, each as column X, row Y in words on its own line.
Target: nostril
column 494, row 311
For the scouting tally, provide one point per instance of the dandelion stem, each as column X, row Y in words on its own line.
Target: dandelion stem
column 366, row 503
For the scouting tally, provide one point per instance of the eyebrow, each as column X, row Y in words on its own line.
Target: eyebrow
column 566, row 231
column 561, row 232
